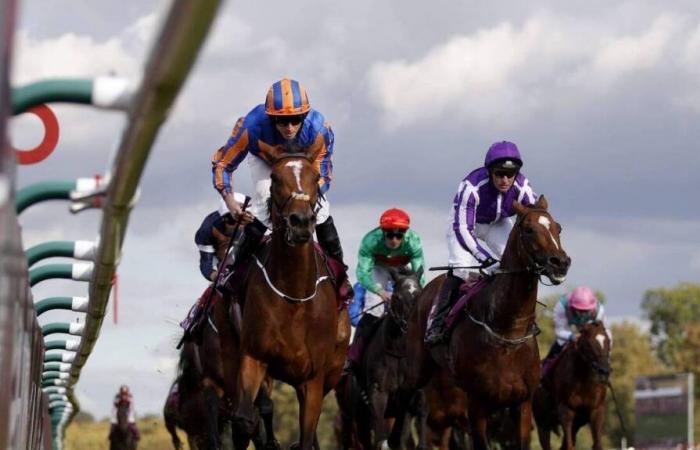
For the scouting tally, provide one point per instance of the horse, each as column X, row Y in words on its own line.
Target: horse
column 447, row 418
column 574, row 391
column 122, row 436
column 382, row 369
column 492, row 350
column 292, row 327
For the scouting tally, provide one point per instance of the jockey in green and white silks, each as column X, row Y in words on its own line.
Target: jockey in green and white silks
column 392, row 244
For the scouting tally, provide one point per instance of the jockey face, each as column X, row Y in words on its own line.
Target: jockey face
column 503, row 179
column 288, row 126
column 583, row 316
column 393, row 238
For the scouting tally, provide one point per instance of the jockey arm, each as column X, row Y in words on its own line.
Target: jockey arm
column 205, row 245
column 227, row 158
column 562, row 330
column 417, row 257
column 365, row 266
column 357, row 305
column 464, row 222
column 323, row 161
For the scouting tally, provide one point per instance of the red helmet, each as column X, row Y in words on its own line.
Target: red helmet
column 393, row 219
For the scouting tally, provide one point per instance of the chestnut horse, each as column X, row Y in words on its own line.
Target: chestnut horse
column 573, row 394
column 292, row 327
column 492, row 351
column 447, row 419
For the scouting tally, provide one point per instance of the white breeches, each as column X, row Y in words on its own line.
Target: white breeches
column 260, row 173
column 381, row 275
column 493, row 237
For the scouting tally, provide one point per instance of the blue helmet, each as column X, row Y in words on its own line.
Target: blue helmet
column 286, row 98
column 503, row 155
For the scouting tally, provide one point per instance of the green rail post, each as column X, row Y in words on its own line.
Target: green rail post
column 66, row 357
column 83, row 250
column 79, row 271
column 76, row 329
column 77, row 304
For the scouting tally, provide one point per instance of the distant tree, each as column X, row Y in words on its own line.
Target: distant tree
column 84, row 417
column 671, row 312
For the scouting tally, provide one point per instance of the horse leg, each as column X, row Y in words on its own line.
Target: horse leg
column 211, row 400
column 310, row 396
column 420, row 411
column 566, row 418
column 265, row 407
column 544, row 434
column 477, row 422
column 250, row 377
column 524, row 424
column 597, row 417
column 378, row 400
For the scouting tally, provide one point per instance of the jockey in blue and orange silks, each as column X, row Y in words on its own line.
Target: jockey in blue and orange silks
column 286, row 122
column 480, row 221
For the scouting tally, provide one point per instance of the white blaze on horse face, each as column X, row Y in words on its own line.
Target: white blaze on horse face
column 296, row 168
column 545, row 222
column 601, row 340
column 412, row 287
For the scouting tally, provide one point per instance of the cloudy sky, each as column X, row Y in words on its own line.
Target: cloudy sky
column 603, row 101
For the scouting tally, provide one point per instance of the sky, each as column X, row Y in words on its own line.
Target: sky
column 602, row 99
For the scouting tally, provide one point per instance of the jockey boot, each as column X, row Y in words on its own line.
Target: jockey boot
column 327, row 236
column 548, row 360
column 250, row 240
column 436, row 332
column 362, row 332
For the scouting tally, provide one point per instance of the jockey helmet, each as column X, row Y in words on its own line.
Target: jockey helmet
column 503, row 155
column 286, row 98
column 583, row 299
column 394, row 219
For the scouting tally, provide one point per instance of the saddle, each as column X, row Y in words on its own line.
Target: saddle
column 467, row 291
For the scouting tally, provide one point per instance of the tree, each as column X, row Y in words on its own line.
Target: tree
column 670, row 312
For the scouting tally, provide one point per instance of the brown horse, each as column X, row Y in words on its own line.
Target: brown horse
column 492, row 351
column 122, row 436
column 574, row 391
column 447, row 405
column 292, row 327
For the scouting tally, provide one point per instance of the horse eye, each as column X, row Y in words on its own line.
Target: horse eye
column 559, row 227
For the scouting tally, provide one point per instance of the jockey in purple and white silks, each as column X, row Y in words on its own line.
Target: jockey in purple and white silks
column 480, row 221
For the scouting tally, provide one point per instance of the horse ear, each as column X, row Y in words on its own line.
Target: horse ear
column 394, row 274
column 542, row 203
column 312, row 151
column 519, row 208
column 270, row 153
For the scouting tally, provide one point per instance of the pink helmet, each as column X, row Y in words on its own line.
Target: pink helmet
column 583, row 298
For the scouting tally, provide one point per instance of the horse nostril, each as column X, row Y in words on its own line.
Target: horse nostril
column 297, row 221
column 554, row 261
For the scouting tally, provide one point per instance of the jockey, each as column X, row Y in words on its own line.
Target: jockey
column 212, row 238
column 286, row 121
column 392, row 244
column 480, row 221
column 124, row 395
column 577, row 309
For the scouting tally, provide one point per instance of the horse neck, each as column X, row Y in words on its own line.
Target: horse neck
column 292, row 269
column 514, row 294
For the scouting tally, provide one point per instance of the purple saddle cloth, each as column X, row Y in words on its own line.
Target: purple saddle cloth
column 468, row 289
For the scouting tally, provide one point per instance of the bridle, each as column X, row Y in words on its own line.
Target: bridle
column 281, row 209
column 602, row 372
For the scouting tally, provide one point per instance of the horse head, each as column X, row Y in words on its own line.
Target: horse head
column 535, row 240
column 594, row 347
column 294, row 196
column 407, row 289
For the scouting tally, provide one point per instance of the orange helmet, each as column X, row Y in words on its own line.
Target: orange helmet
column 287, row 98
column 393, row 219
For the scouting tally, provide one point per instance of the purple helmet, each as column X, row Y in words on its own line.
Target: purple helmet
column 503, row 155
